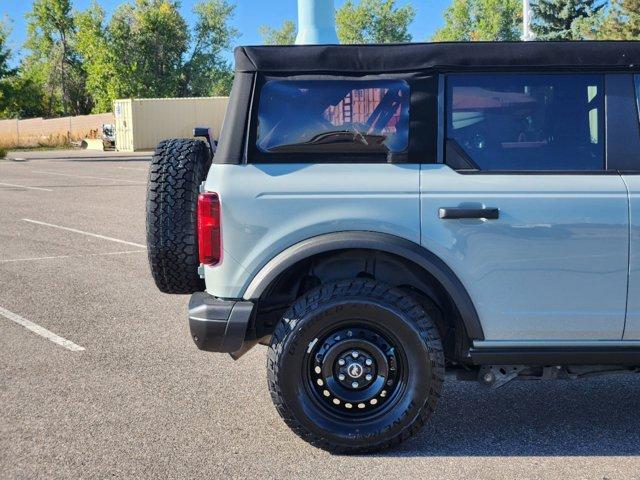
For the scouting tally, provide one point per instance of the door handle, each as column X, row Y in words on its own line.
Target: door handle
column 459, row 213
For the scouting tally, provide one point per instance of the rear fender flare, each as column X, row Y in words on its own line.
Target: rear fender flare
column 372, row 241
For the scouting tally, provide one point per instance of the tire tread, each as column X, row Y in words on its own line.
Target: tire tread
column 177, row 168
column 373, row 290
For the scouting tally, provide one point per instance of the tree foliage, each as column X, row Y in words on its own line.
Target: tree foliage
column 285, row 35
column 147, row 50
column 206, row 72
column 478, row 20
column 374, row 21
column 20, row 96
column 563, row 19
column 622, row 21
column 53, row 61
column 6, row 73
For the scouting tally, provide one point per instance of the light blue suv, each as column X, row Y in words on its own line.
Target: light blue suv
column 380, row 214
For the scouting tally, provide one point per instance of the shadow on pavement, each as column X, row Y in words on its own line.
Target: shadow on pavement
column 591, row 417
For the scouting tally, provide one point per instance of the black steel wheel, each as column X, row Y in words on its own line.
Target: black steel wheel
column 355, row 366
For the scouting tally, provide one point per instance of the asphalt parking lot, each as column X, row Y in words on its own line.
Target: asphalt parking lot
column 121, row 390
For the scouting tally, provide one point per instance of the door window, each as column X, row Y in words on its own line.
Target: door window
column 520, row 122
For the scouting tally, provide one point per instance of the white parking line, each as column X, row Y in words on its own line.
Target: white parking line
column 24, row 186
column 43, row 332
column 29, row 259
column 111, row 179
column 84, row 233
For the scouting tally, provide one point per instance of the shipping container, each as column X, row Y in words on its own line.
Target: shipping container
column 142, row 123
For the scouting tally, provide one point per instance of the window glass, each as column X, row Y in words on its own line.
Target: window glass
column 334, row 116
column 637, row 78
column 527, row 122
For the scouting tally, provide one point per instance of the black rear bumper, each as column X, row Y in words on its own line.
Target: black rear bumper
column 218, row 325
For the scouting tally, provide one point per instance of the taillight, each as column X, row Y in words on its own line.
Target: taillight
column 209, row 235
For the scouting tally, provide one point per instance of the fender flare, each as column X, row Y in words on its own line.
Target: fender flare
column 372, row 241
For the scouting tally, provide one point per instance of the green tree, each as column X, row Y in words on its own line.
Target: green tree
column 6, row 72
column 374, row 21
column 53, row 61
column 148, row 39
column 285, row 35
column 147, row 50
column 622, row 21
column 563, row 19
column 481, row 20
column 206, row 72
column 98, row 58
column 26, row 99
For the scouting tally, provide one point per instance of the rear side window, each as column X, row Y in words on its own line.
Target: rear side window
column 341, row 117
column 637, row 80
column 519, row 122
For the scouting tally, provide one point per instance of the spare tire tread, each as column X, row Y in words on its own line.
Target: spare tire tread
column 177, row 169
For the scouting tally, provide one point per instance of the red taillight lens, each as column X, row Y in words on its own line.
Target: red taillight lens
column 209, row 238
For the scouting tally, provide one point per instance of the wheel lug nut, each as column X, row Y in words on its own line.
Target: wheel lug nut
column 368, row 377
column 354, row 354
column 354, row 384
column 341, row 377
column 318, row 370
column 341, row 361
column 368, row 361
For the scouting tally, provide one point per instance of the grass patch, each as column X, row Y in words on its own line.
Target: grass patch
column 48, row 142
column 3, row 152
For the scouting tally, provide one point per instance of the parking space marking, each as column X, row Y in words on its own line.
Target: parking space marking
column 54, row 257
column 111, row 179
column 24, row 186
column 74, row 230
column 43, row 332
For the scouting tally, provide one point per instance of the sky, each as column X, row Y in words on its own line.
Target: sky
column 249, row 16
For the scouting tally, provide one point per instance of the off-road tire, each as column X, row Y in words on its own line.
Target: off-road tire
column 294, row 335
column 178, row 167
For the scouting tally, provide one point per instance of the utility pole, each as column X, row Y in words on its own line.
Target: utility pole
column 316, row 22
column 527, row 34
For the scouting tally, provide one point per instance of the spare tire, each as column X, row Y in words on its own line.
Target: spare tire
column 178, row 167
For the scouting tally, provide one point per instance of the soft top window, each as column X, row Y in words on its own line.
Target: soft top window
column 530, row 122
column 333, row 117
column 637, row 80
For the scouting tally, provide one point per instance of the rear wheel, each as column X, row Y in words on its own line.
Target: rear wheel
column 355, row 367
column 178, row 167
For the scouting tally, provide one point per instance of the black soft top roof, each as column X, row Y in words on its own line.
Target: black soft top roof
column 439, row 56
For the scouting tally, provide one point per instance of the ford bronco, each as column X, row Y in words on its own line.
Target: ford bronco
column 378, row 215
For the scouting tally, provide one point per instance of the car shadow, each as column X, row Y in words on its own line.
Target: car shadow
column 590, row 417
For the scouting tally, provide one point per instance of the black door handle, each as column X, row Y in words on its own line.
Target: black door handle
column 458, row 213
